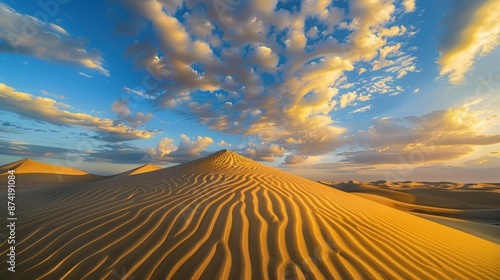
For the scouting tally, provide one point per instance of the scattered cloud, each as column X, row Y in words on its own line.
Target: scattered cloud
column 295, row 159
column 221, row 70
column 53, row 95
column 24, row 34
column 363, row 109
column 85, row 75
column 223, row 143
column 50, row 111
column 263, row 152
column 121, row 106
column 409, row 5
column 138, row 93
column 348, row 99
column 187, row 150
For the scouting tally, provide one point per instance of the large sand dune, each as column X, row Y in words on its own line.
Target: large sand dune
column 227, row 217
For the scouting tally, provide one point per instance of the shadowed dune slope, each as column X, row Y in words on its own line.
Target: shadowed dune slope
column 228, row 217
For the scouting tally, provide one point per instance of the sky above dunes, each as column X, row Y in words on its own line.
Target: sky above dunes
column 332, row 90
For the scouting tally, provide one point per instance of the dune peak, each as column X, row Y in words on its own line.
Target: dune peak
column 228, row 158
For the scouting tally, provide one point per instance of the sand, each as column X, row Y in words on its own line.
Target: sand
column 227, row 217
column 30, row 166
column 140, row 170
column 472, row 208
column 32, row 174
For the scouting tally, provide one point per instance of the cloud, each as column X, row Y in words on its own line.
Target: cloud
column 263, row 152
column 409, row 5
column 295, row 159
column 27, row 35
column 437, row 136
column 138, row 93
column 260, row 70
column 223, row 143
column 52, row 94
column 408, row 157
column 50, row 111
column 85, row 75
column 348, row 99
column 265, row 57
column 187, row 150
column 121, row 106
column 471, row 31
column 363, row 109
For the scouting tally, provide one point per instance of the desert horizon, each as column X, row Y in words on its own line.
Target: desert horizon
column 232, row 139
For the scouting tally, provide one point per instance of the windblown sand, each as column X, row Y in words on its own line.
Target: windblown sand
column 227, row 217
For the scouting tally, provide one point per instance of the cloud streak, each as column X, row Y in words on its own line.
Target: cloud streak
column 50, row 111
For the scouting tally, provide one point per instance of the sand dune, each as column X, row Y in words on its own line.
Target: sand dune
column 30, row 166
column 140, row 170
column 33, row 174
column 227, row 217
column 473, row 208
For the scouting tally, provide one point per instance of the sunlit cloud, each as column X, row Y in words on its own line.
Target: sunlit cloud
column 471, row 31
column 50, row 111
column 24, row 34
column 186, row 150
column 257, row 70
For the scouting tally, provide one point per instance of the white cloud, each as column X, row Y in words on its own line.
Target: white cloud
column 85, row 75
column 223, row 143
column 363, row 109
column 139, row 93
column 24, row 34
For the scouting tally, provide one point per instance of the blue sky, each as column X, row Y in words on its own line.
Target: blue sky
column 332, row 90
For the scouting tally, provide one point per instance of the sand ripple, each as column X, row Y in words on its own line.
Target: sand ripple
column 227, row 217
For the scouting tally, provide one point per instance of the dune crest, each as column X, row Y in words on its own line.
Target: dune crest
column 140, row 170
column 228, row 217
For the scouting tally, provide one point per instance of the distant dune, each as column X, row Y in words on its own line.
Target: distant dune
column 228, row 217
column 33, row 174
column 473, row 208
column 140, row 170
column 30, row 166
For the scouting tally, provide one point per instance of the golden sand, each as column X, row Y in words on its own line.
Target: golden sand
column 227, row 217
